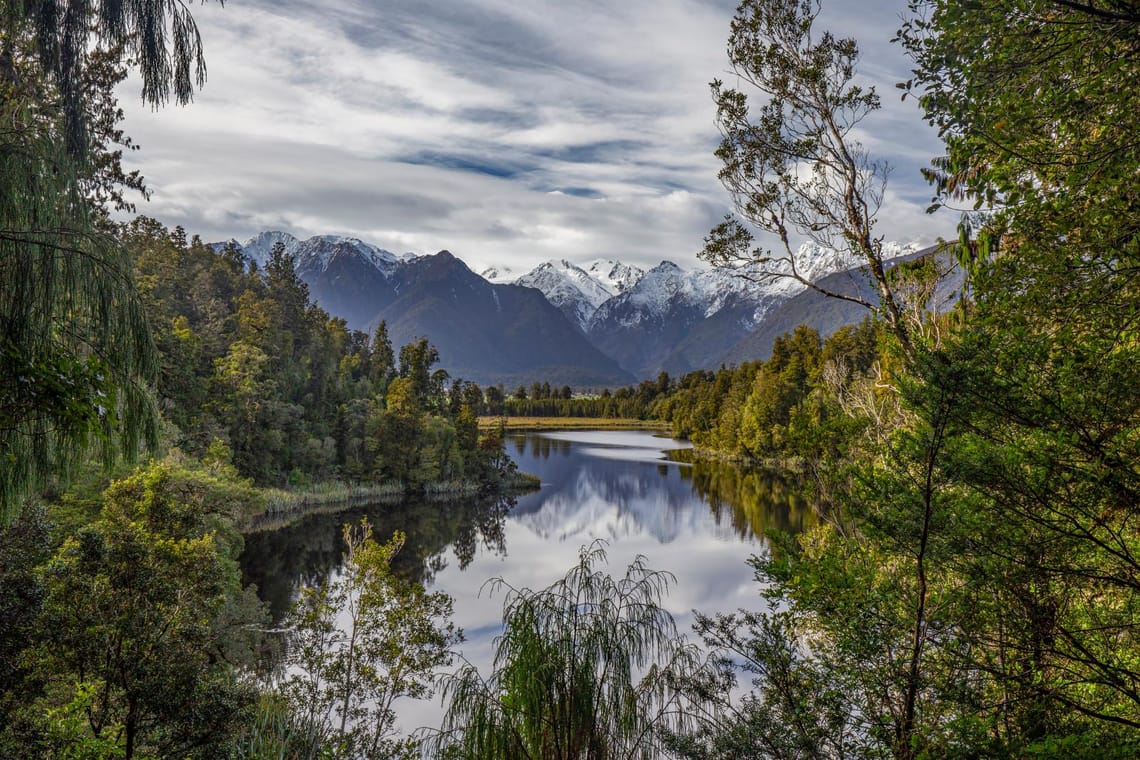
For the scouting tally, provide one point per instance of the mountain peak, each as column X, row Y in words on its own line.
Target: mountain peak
column 614, row 275
column 569, row 288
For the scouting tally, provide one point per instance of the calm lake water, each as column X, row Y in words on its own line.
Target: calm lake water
column 641, row 493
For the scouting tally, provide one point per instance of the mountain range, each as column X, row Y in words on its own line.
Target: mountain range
column 600, row 324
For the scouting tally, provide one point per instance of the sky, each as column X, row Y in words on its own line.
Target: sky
column 507, row 132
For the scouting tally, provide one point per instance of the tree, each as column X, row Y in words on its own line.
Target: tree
column 1048, row 354
column 383, row 360
column 1004, row 148
column 24, row 545
column 359, row 643
column 76, row 352
column 416, row 361
column 792, row 165
column 582, row 670
column 1051, row 175
column 144, row 607
column 161, row 39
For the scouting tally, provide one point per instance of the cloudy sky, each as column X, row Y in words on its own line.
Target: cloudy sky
column 507, row 132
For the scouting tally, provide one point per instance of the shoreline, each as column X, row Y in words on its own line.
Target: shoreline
column 284, row 507
column 521, row 424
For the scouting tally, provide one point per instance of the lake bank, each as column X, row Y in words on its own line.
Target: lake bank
column 522, row 424
column 283, row 507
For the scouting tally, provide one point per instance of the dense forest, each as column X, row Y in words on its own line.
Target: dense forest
column 968, row 589
column 247, row 359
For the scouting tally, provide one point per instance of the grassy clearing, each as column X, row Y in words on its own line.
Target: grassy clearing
column 571, row 423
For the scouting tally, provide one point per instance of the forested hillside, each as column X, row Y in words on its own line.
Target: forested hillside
column 248, row 359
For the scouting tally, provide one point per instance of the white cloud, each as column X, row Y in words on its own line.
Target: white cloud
column 506, row 132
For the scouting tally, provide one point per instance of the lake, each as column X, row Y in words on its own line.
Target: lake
column 641, row 493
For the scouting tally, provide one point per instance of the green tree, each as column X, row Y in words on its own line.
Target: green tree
column 582, row 670
column 416, row 361
column 1049, row 350
column 359, row 643
column 76, row 353
column 383, row 360
column 160, row 39
column 395, row 433
column 792, row 164
column 24, row 546
column 144, row 608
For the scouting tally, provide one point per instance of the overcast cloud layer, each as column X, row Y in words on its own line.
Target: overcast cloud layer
column 507, row 132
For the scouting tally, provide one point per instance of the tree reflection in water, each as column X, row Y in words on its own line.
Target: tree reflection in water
column 758, row 502
column 305, row 553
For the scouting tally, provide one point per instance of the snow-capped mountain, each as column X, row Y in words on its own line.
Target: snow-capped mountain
column 257, row 248
column 667, row 318
column 814, row 261
column 825, row 315
column 345, row 275
column 675, row 319
column 577, row 291
column 499, row 275
column 678, row 320
column 615, row 276
column 569, row 288
column 317, row 254
column 485, row 332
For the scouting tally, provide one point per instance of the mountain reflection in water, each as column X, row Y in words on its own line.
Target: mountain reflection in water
column 645, row 495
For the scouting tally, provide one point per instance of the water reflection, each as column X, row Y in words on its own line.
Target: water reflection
column 279, row 562
column 645, row 495
column 592, row 490
column 755, row 502
column 613, row 484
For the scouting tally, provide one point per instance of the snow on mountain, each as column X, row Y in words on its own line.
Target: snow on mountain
column 665, row 319
column 258, row 247
column 615, row 276
column 569, row 288
column 499, row 275
column 666, row 286
column 654, row 291
column 315, row 254
column 814, row 262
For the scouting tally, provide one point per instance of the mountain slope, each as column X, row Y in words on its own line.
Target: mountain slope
column 346, row 276
column 614, row 276
column 677, row 321
column 491, row 333
column 827, row 315
column 574, row 291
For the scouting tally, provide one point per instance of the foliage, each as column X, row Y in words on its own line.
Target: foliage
column 75, row 352
column 248, row 359
column 973, row 590
column 24, row 545
column 160, row 39
column 1065, row 145
column 356, row 645
column 582, row 670
column 143, row 623
column 792, row 163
